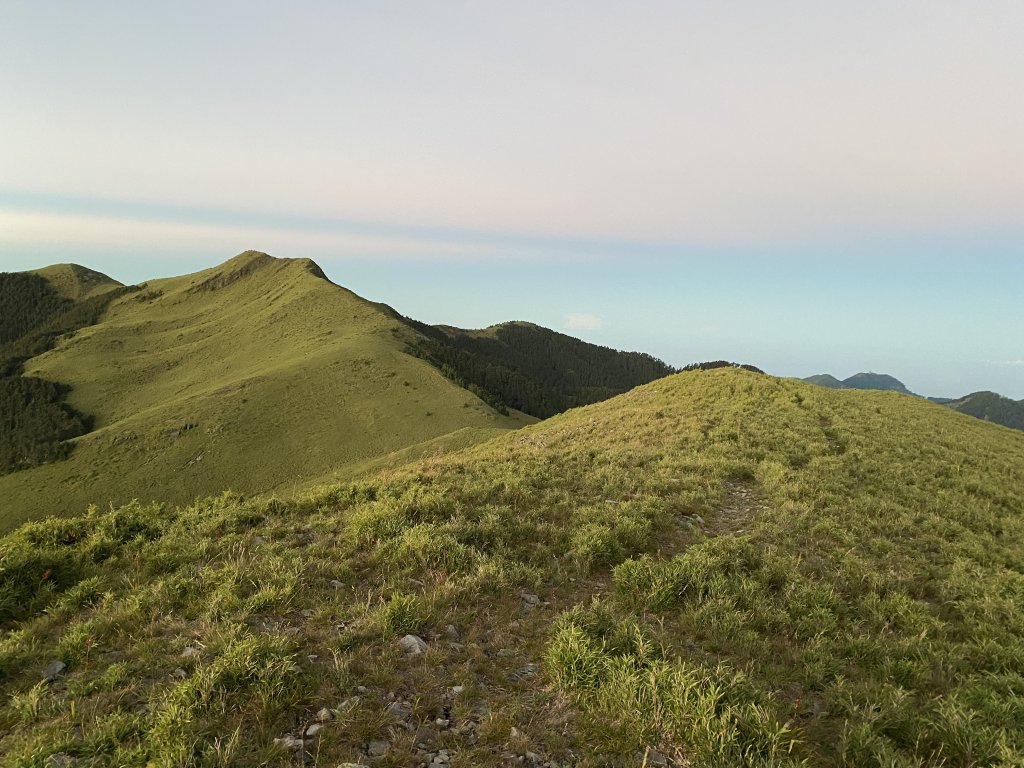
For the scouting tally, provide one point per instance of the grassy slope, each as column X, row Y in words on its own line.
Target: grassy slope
column 264, row 381
column 734, row 569
column 76, row 282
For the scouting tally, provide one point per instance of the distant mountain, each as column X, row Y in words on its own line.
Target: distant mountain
column 872, row 381
column 825, row 380
column 991, row 407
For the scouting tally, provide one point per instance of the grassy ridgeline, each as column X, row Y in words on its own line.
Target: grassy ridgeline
column 740, row 570
column 258, row 375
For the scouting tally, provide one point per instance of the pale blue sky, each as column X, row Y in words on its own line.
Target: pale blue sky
column 806, row 186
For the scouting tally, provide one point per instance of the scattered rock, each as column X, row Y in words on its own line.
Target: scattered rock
column 337, row 584
column 413, row 645
column 179, row 674
column 191, row 652
column 442, row 722
column 314, row 729
column 452, row 633
column 526, row 673
column 349, row 704
column 60, row 760
column 457, row 689
column 325, row 715
column 654, row 759
column 529, row 598
column 54, row 670
column 378, row 748
column 400, row 710
column 289, row 742
column 362, row 689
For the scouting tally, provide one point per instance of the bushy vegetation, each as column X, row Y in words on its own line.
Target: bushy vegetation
column 26, row 302
column 532, row 369
column 712, row 365
column 35, row 422
column 724, row 568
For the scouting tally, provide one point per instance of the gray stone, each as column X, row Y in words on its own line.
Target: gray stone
column 289, row 742
column 324, row 715
column 413, row 645
column 54, row 670
column 60, row 760
column 378, row 748
column 337, row 584
column 314, row 729
column 529, row 598
column 191, row 651
column 399, row 710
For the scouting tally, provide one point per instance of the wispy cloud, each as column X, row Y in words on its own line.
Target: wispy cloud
column 1012, row 362
column 583, row 321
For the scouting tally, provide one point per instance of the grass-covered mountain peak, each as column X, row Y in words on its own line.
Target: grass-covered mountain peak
column 257, row 375
column 75, row 282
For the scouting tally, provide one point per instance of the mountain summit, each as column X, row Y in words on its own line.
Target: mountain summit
column 262, row 376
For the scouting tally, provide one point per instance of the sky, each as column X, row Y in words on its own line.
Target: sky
column 806, row 186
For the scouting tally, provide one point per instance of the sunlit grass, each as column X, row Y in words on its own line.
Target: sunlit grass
column 741, row 570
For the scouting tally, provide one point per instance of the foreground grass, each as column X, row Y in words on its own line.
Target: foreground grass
column 729, row 569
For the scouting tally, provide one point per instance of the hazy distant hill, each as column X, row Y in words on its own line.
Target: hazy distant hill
column 719, row 568
column 878, row 381
column 991, row 407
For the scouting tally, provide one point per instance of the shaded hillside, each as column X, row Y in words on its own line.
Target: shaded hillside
column 991, row 407
column 533, row 369
column 35, row 421
column 716, row 569
column 255, row 375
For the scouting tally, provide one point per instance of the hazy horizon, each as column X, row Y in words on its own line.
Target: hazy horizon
column 810, row 188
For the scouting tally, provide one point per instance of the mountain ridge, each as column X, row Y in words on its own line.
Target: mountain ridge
column 261, row 375
column 718, row 568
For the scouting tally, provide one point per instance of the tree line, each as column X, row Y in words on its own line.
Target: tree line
column 532, row 369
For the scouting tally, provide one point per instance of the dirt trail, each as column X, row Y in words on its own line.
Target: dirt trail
column 742, row 503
